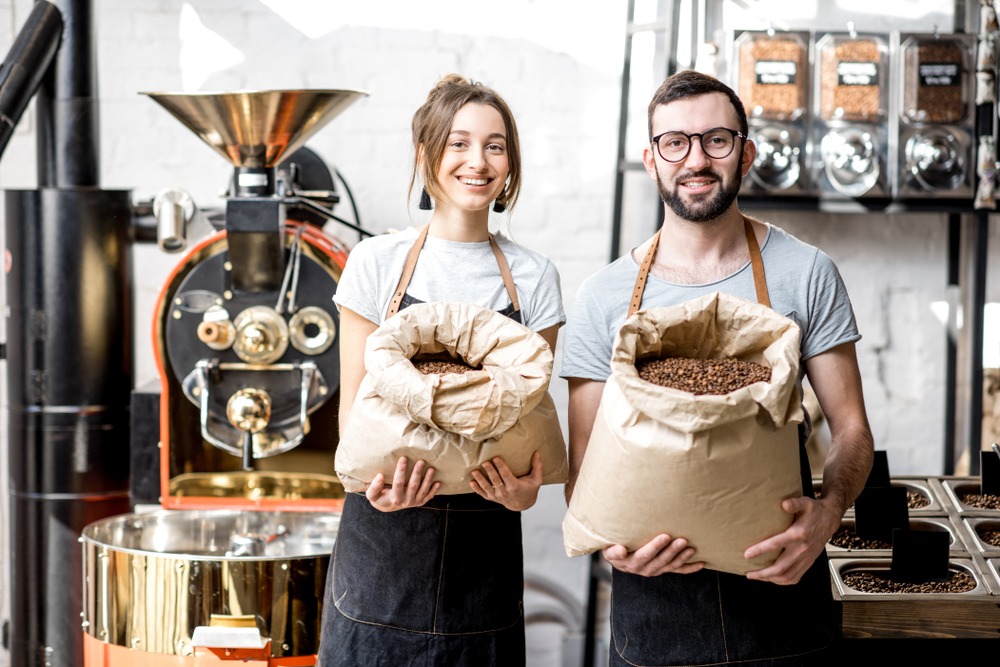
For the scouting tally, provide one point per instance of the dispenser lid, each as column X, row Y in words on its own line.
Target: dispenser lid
column 256, row 128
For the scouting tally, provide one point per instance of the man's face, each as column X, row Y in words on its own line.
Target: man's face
column 698, row 188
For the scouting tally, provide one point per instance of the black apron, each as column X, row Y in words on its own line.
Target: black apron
column 718, row 618
column 439, row 585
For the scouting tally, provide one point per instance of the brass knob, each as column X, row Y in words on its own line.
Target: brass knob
column 249, row 410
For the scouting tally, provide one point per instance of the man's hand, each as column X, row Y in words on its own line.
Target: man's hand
column 801, row 543
column 660, row 555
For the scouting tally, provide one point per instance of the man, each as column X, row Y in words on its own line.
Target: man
column 666, row 608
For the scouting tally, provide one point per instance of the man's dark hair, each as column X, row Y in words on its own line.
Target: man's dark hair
column 689, row 83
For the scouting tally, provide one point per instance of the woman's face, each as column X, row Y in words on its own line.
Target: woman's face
column 474, row 165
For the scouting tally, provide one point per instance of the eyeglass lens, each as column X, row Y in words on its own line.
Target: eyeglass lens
column 675, row 146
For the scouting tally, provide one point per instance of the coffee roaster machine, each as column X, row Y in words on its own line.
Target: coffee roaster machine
column 231, row 564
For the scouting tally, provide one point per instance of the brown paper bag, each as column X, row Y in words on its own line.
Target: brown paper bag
column 712, row 469
column 453, row 421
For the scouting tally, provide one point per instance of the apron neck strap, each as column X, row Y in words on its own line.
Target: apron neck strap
column 411, row 263
column 756, row 264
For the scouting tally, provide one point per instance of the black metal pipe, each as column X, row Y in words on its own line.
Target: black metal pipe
column 67, row 107
column 25, row 65
column 69, row 378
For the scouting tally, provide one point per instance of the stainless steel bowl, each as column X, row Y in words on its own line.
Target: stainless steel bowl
column 934, row 157
column 851, row 159
column 151, row 579
column 777, row 165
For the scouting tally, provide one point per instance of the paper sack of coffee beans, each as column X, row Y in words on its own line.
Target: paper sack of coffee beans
column 713, row 466
column 454, row 385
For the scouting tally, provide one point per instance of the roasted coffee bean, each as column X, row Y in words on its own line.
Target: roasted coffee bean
column 915, row 500
column 773, row 77
column 990, row 536
column 850, row 78
column 871, row 582
column 982, row 501
column 437, row 366
column 933, row 76
column 846, row 538
column 703, row 376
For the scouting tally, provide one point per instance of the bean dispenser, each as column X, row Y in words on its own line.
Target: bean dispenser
column 936, row 115
column 851, row 116
column 773, row 81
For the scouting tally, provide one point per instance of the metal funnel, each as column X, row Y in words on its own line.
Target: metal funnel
column 257, row 128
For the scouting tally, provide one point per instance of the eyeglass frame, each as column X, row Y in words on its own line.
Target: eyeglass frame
column 654, row 141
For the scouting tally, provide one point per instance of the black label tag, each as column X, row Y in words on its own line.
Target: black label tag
column 879, row 474
column 920, row 555
column 989, row 476
column 939, row 74
column 880, row 510
column 775, row 72
column 857, row 74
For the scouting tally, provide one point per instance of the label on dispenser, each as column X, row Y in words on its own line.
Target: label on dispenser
column 940, row 74
column 857, row 74
column 775, row 72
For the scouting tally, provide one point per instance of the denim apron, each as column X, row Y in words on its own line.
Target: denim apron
column 439, row 585
column 718, row 618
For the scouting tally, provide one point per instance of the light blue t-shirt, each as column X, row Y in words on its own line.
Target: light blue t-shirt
column 450, row 271
column 803, row 284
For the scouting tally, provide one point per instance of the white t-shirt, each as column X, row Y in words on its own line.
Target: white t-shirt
column 450, row 271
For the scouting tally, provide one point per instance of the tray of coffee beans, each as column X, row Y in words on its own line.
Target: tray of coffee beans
column 847, row 542
column 921, row 497
column 984, row 535
column 966, row 496
column 869, row 577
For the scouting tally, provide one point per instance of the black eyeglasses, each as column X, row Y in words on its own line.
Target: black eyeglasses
column 717, row 143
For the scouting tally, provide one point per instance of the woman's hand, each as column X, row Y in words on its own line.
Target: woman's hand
column 403, row 493
column 497, row 483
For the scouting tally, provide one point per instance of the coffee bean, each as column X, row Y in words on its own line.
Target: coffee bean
column 990, row 536
column 773, row 77
column 437, row 366
column 933, row 76
column 850, row 78
column 871, row 582
column 846, row 538
column 982, row 501
column 703, row 376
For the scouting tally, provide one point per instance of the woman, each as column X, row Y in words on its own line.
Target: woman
column 416, row 578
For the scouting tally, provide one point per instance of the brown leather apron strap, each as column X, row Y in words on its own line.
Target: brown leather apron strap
column 756, row 265
column 404, row 279
column 411, row 263
column 508, row 279
column 640, row 280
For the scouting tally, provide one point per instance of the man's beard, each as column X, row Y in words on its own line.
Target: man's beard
column 704, row 210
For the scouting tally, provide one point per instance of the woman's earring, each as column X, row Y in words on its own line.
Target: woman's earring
column 499, row 206
column 425, row 200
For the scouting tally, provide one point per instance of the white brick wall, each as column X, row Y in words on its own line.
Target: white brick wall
column 558, row 66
